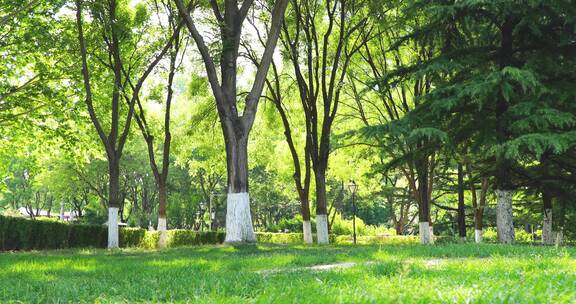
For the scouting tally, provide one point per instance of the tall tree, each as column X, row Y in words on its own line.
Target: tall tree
column 276, row 84
column 320, row 59
column 497, row 85
column 120, row 31
column 236, row 127
column 160, row 172
column 390, row 94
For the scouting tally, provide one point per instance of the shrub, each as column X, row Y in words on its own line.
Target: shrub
column 131, row 237
column 280, row 238
column 181, row 237
column 383, row 239
column 490, row 234
column 286, row 238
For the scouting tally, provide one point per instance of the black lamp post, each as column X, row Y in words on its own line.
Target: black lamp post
column 352, row 186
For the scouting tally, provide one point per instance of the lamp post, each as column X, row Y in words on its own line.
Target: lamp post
column 352, row 187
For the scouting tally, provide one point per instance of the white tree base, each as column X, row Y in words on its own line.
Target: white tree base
column 547, row 234
column 478, row 235
column 425, row 233
column 162, row 228
column 504, row 219
column 559, row 238
column 322, row 228
column 113, row 228
column 307, row 229
column 238, row 219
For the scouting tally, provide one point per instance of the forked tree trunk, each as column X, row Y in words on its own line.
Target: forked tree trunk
column 235, row 126
column 547, row 234
column 238, row 217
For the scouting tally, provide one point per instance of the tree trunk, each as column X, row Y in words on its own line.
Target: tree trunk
column 547, row 234
column 504, row 219
column 162, row 226
column 478, row 233
column 561, row 221
column 461, row 210
column 306, row 226
column 62, row 211
column 114, row 201
column 425, row 229
column 399, row 228
column 321, row 211
column 504, row 223
column 238, row 217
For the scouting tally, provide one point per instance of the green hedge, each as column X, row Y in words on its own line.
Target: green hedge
column 286, row 238
column 24, row 234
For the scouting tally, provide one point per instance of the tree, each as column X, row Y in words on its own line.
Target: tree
column 114, row 25
column 390, row 93
column 320, row 64
column 497, row 85
column 161, row 172
column 275, row 94
column 236, row 127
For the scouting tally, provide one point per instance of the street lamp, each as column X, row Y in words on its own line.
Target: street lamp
column 352, row 186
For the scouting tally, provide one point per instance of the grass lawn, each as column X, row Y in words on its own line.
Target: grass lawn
column 282, row 274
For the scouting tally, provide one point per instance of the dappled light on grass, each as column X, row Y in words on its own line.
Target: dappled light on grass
column 279, row 273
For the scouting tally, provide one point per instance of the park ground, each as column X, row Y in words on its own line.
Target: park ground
column 450, row 273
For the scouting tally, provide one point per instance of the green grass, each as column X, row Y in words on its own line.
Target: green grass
column 449, row 273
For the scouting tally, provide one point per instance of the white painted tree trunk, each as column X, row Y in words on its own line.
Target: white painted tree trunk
column 307, row 229
column 478, row 235
column 113, row 228
column 238, row 219
column 547, row 234
column 162, row 228
column 560, row 237
column 322, row 228
column 62, row 211
column 431, row 233
column 425, row 233
column 504, row 219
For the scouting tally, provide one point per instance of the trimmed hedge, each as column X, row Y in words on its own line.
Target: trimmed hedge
column 25, row 234
column 286, row 238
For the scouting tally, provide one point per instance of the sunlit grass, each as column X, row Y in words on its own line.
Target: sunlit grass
column 280, row 274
